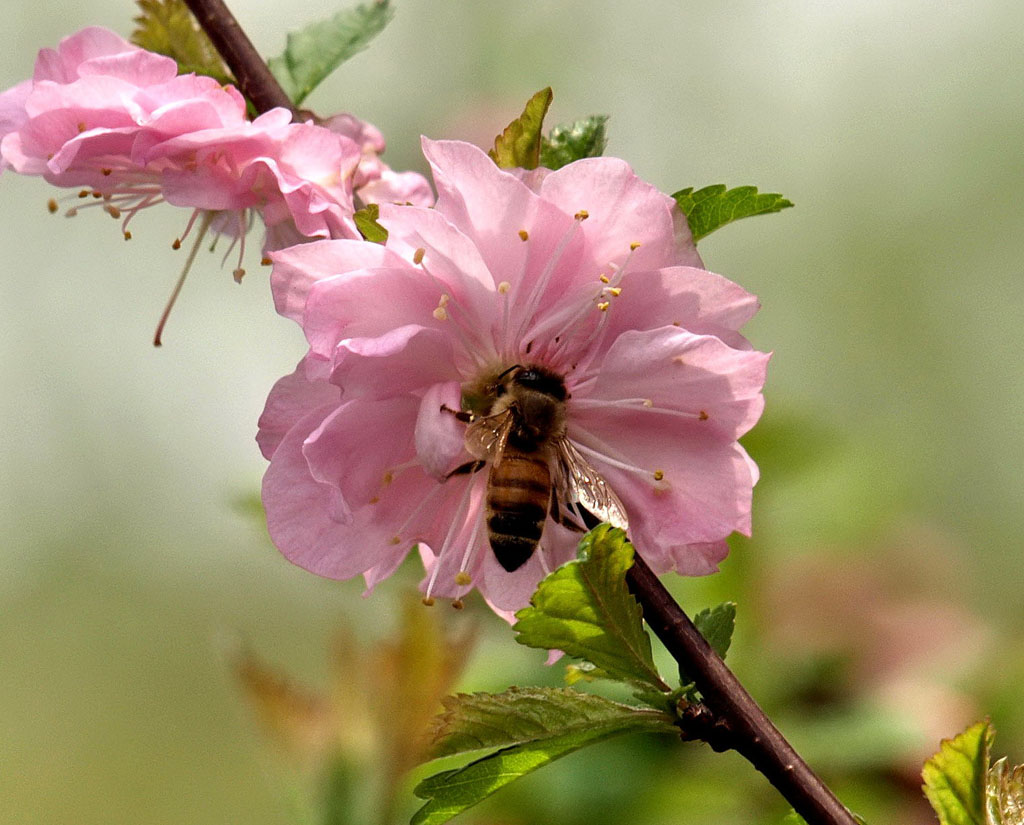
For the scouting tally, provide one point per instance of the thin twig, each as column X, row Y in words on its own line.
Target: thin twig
column 252, row 74
column 752, row 733
column 738, row 716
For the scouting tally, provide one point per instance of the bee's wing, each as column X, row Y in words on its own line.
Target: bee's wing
column 486, row 437
column 583, row 484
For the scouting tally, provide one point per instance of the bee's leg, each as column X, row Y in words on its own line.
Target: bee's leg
column 563, row 518
column 465, row 469
column 461, row 415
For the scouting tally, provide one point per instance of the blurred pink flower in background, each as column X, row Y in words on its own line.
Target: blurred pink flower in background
column 118, row 122
column 588, row 273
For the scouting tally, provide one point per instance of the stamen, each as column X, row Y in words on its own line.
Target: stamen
column 603, row 306
column 207, row 220
column 614, row 291
column 51, row 206
column 458, row 604
column 427, row 601
column 457, row 523
column 265, row 261
column 634, row 246
column 462, row 578
column 238, row 274
column 127, row 235
column 605, row 279
column 545, row 276
column 417, row 256
column 112, row 210
column 524, row 235
column 582, row 215
column 605, row 455
column 659, row 475
column 640, row 404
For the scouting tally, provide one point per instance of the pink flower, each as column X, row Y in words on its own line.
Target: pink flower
column 119, row 123
column 588, row 275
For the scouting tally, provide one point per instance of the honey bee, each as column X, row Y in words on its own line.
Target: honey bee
column 534, row 469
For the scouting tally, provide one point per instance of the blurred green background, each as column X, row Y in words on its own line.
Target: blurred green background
column 880, row 600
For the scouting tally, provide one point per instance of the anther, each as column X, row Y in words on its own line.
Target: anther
column 648, row 402
column 658, row 475
column 417, row 256
column 504, row 287
column 83, row 193
column 614, row 291
column 375, row 500
column 395, row 540
column 51, row 206
column 177, row 244
column 265, row 262
column 428, row 601
column 462, row 578
column 441, row 314
column 633, row 247
column 703, row 416
column 582, row 215
column 238, row 274
column 605, row 279
column 603, row 306
column 71, row 212
column 82, row 128
column 106, row 172
column 388, row 478
column 458, row 604
column 97, row 195
column 524, row 235
column 127, row 235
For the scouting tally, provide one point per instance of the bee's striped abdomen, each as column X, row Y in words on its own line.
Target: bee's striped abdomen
column 518, row 497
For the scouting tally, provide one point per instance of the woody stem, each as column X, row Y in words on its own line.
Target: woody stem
column 752, row 733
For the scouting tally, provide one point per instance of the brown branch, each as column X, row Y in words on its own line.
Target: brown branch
column 750, row 732
column 252, row 74
column 729, row 716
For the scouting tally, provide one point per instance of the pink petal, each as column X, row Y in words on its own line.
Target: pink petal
column 440, row 437
column 290, row 400
column 623, row 210
column 405, row 359
column 296, row 269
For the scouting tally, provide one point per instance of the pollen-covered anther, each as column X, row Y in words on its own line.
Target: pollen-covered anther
column 633, row 247
column 177, row 244
column 395, row 540
column 83, row 193
column 462, row 578
column 375, row 500
column 428, row 601
column 648, row 402
column 106, row 172
column 659, row 475
column 703, row 416
column 238, row 274
column 524, row 235
column 441, row 314
column 112, row 210
column 127, row 235
column 387, row 479
column 82, row 128
column 265, row 262
column 458, row 604
column 605, row 279
column 504, row 287
column 582, row 215
column 603, row 306
column 417, row 256
column 614, row 291
column 51, row 206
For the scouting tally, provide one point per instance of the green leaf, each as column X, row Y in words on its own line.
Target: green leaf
column 955, row 777
column 366, row 223
column 315, row 51
column 519, row 144
column 532, row 727
column 585, row 609
column 1004, row 794
column 167, row 27
column 713, row 206
column 495, row 720
column 568, row 142
column 716, row 625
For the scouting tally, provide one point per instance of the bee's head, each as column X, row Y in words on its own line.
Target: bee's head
column 539, row 379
